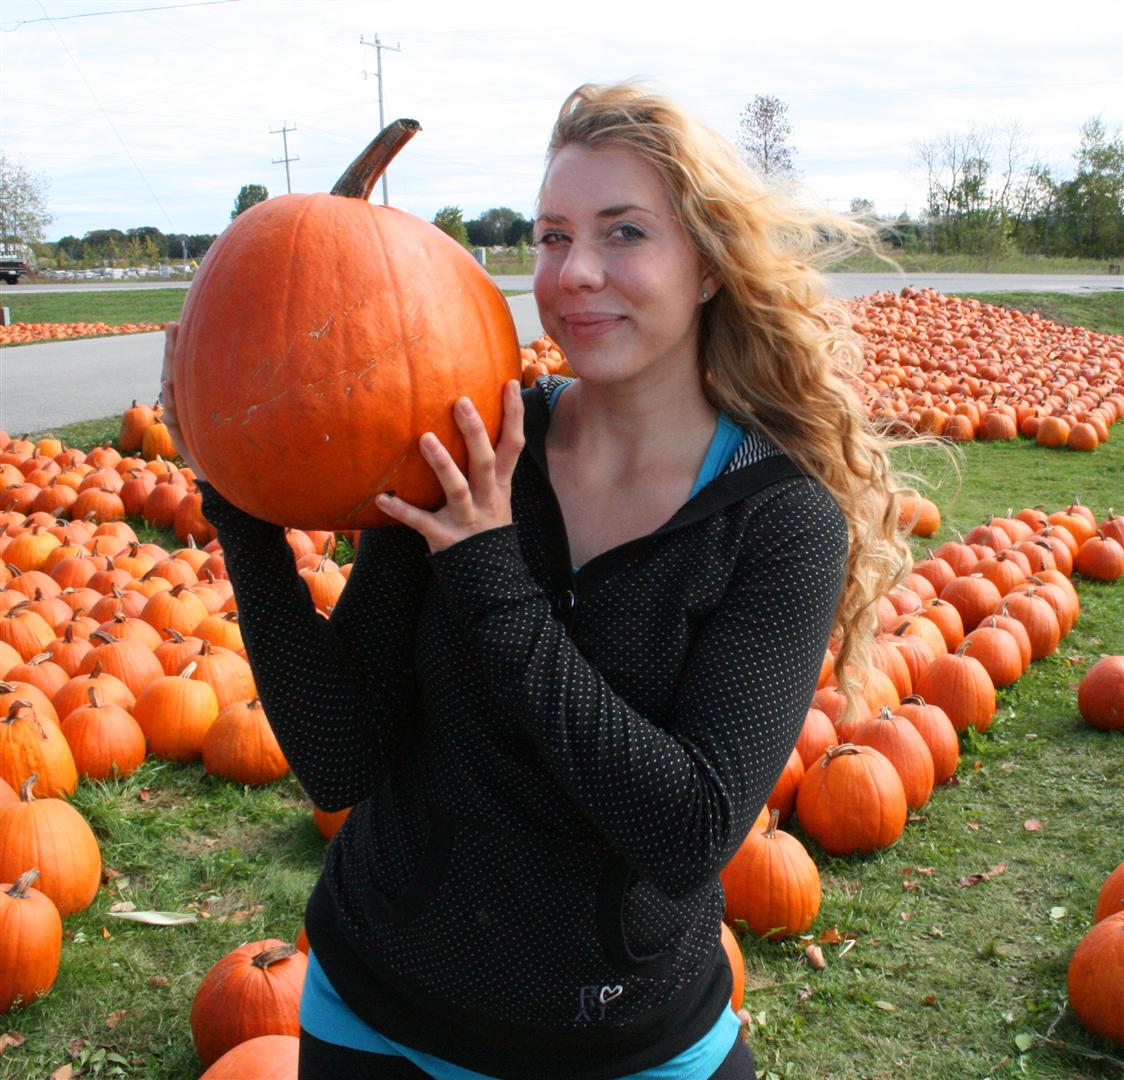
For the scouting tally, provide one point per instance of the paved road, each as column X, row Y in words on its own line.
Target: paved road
column 846, row 285
column 56, row 383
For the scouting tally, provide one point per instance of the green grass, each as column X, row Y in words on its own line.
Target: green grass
column 974, row 977
column 1103, row 311
column 112, row 306
column 992, row 958
column 919, row 262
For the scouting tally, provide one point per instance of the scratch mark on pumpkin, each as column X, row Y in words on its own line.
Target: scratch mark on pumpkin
column 251, row 409
column 319, row 332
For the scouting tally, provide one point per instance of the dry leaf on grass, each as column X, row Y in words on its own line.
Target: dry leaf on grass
column 11, row 1039
column 63, row 1072
column 1033, row 825
column 155, row 918
column 114, row 1018
column 975, row 879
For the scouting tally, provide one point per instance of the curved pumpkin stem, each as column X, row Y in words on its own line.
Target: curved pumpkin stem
column 832, row 752
column 272, row 955
column 25, row 881
column 359, row 180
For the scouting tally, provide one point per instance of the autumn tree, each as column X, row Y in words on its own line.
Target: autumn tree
column 23, row 202
column 450, row 220
column 250, row 195
column 763, row 133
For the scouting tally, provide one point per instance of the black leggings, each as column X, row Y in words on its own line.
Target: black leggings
column 326, row 1061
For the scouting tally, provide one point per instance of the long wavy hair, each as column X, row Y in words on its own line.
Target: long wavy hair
column 775, row 352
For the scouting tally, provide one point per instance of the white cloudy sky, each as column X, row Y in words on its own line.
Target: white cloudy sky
column 156, row 112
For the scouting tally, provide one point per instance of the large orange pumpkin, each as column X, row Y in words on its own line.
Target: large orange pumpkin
column 1096, row 978
column 30, row 941
column 253, row 990
column 322, row 337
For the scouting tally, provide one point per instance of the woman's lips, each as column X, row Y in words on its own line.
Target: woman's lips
column 591, row 324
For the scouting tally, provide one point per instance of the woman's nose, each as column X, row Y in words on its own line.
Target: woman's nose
column 583, row 268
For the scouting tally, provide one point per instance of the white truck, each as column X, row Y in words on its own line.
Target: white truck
column 13, row 262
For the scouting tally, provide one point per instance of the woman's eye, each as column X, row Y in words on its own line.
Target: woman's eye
column 549, row 238
column 626, row 232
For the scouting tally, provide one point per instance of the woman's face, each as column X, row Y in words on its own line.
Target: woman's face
column 617, row 280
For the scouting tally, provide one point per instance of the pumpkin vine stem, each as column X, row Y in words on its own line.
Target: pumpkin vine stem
column 272, row 955
column 360, row 177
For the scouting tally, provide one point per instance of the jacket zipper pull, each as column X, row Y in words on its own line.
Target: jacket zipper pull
column 565, row 604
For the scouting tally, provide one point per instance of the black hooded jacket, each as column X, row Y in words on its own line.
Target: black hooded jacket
column 548, row 767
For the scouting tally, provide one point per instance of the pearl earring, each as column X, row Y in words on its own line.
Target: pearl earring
column 705, row 295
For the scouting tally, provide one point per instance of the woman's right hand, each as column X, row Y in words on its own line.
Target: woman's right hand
column 168, row 398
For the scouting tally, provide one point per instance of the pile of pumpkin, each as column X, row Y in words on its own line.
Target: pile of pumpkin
column 25, row 333
column 542, row 357
column 138, row 480
column 111, row 649
column 971, row 617
column 962, row 369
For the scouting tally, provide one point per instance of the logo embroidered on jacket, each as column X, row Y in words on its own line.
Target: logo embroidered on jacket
column 599, row 997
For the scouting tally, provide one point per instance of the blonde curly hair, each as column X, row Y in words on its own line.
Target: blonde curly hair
column 775, row 352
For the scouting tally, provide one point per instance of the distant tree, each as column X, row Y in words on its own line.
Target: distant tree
column 862, row 207
column 763, row 133
column 250, row 195
column 519, row 230
column 1091, row 205
column 23, row 202
column 70, row 246
column 450, row 219
column 492, row 226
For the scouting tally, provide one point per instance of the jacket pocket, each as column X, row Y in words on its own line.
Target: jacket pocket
column 616, row 877
column 422, row 886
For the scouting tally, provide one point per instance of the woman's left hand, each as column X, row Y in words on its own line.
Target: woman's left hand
column 480, row 501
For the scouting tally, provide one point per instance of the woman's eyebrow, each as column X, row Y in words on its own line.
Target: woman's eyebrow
column 609, row 211
column 625, row 208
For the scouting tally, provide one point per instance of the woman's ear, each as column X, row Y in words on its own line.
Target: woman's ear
column 709, row 287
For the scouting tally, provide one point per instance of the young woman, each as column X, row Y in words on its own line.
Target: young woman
column 558, row 702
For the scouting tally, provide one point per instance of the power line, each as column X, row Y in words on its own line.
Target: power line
column 119, row 11
column 112, row 126
column 283, row 131
column 378, row 47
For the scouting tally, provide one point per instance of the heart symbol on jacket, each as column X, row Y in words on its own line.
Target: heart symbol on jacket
column 610, row 993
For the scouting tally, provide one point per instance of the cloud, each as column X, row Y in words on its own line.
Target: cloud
column 161, row 116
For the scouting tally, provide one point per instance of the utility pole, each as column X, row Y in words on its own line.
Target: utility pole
column 283, row 131
column 378, row 46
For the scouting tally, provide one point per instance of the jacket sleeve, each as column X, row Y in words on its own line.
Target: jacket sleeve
column 674, row 800
column 336, row 691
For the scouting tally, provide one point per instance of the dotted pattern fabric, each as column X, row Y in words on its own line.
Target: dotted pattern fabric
column 546, row 792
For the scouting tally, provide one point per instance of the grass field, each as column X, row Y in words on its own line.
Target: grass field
column 111, row 306
column 942, row 981
column 916, row 262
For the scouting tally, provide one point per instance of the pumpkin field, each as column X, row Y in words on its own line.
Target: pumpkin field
column 938, row 942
